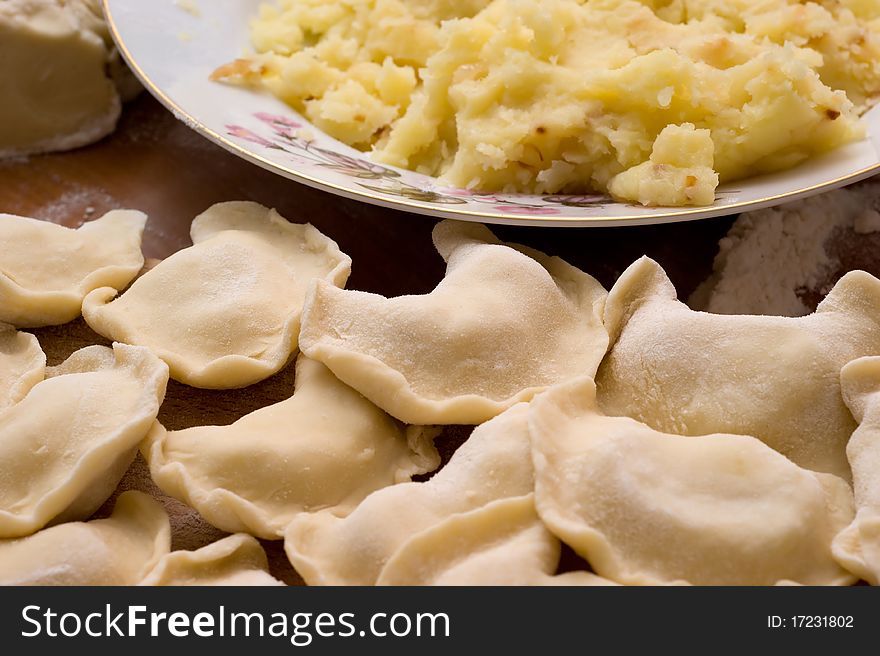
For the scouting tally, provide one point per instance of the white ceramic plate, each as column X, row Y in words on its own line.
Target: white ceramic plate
column 174, row 45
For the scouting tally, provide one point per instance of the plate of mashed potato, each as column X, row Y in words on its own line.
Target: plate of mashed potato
column 543, row 112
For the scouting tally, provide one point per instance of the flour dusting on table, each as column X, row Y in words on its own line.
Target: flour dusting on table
column 782, row 260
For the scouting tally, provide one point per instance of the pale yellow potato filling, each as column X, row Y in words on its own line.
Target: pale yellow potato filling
column 654, row 102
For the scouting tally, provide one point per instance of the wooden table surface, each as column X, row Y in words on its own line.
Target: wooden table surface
column 155, row 164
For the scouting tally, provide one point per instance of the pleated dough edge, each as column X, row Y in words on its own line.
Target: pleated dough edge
column 70, row 501
column 68, row 305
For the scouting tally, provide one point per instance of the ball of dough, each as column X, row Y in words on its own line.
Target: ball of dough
column 60, row 76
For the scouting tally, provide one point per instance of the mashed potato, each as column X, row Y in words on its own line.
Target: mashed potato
column 653, row 101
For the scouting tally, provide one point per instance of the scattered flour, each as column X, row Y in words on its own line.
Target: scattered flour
column 867, row 222
column 15, row 160
column 74, row 205
column 771, row 257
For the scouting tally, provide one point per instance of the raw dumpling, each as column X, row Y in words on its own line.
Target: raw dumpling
column 502, row 543
column 504, row 323
column 119, row 550
column 776, row 378
column 238, row 560
column 649, row 508
column 225, row 312
column 493, row 464
column 858, row 547
column 22, row 365
column 46, row 269
column 65, row 446
column 326, row 447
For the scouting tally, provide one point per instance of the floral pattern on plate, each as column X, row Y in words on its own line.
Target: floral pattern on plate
column 297, row 140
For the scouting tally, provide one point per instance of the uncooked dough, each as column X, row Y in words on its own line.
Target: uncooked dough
column 237, row 560
column 505, row 323
column 61, row 79
column 858, row 546
column 65, row 446
column 119, row 550
column 22, row 365
column 502, row 543
column 224, row 313
column 648, row 508
column 46, row 269
column 776, row 378
column 494, row 463
column 326, row 447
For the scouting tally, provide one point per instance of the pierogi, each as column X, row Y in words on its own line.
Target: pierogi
column 501, row 543
column 493, row 464
column 224, row 313
column 858, row 546
column 22, row 365
column 326, row 447
column 237, row 560
column 119, row 550
column 648, row 508
column 46, row 269
column 665, row 446
column 505, row 323
column 66, row 445
column 776, row 378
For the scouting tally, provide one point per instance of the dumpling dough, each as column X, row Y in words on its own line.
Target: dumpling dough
column 858, row 547
column 90, row 14
column 493, row 464
column 65, row 446
column 119, row 550
column 22, row 365
column 238, row 560
column 326, row 447
column 502, row 543
column 225, row 312
column 56, row 64
column 504, row 323
column 649, row 508
column 47, row 269
column 776, row 378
